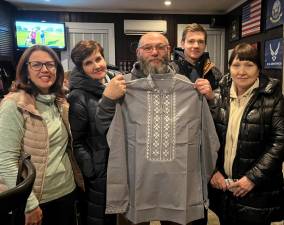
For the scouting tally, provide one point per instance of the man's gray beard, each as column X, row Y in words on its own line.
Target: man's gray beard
column 147, row 68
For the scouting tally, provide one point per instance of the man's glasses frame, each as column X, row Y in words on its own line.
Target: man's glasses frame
column 150, row 48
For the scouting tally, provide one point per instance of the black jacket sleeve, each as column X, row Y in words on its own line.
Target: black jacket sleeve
column 274, row 155
column 104, row 115
column 78, row 118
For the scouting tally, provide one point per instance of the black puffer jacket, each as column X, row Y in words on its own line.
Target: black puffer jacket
column 205, row 68
column 259, row 155
column 90, row 148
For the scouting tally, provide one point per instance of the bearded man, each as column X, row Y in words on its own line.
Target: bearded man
column 162, row 139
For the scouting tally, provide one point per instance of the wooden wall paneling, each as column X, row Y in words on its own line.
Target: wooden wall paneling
column 7, row 39
column 122, row 41
column 7, row 46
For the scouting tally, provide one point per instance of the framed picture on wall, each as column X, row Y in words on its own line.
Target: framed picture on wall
column 251, row 18
column 234, row 30
column 273, row 56
column 256, row 45
column 274, row 13
column 229, row 54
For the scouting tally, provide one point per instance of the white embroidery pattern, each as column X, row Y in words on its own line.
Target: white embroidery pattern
column 160, row 145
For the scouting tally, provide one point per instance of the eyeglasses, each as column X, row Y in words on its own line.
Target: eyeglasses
column 199, row 42
column 150, row 48
column 37, row 66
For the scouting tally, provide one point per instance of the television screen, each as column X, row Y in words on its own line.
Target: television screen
column 49, row 34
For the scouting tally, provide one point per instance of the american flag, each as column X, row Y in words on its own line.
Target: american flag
column 251, row 18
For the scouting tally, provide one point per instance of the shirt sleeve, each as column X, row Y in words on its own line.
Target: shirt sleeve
column 210, row 141
column 11, row 134
column 79, row 123
column 117, row 184
column 209, row 148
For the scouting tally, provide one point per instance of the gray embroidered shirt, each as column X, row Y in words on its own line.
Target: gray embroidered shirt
column 163, row 148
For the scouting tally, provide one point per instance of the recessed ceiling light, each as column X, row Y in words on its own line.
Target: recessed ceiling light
column 167, row 3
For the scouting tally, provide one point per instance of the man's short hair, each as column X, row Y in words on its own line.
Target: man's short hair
column 193, row 27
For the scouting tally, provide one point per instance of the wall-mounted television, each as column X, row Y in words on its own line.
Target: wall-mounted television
column 50, row 34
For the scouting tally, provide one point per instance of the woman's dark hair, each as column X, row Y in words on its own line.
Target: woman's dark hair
column 84, row 49
column 245, row 52
column 23, row 82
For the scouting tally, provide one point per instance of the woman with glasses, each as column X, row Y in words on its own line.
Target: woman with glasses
column 87, row 83
column 34, row 119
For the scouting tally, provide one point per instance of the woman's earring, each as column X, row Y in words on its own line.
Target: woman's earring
column 29, row 81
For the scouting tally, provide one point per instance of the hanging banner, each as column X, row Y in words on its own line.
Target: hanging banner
column 274, row 13
column 273, row 54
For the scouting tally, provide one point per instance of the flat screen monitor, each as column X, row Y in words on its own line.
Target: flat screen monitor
column 50, row 34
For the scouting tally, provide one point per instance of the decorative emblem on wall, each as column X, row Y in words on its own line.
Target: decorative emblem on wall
column 274, row 13
column 273, row 54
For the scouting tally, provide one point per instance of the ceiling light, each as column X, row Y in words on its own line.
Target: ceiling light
column 167, row 3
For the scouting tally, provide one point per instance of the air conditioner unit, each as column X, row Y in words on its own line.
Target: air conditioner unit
column 139, row 27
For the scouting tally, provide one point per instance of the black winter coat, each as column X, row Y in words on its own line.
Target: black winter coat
column 90, row 147
column 259, row 155
column 205, row 68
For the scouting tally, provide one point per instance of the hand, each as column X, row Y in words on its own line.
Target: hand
column 116, row 88
column 204, row 87
column 241, row 187
column 218, row 181
column 34, row 217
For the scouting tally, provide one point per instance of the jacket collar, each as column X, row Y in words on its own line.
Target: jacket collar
column 267, row 85
column 203, row 64
column 26, row 101
column 80, row 80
